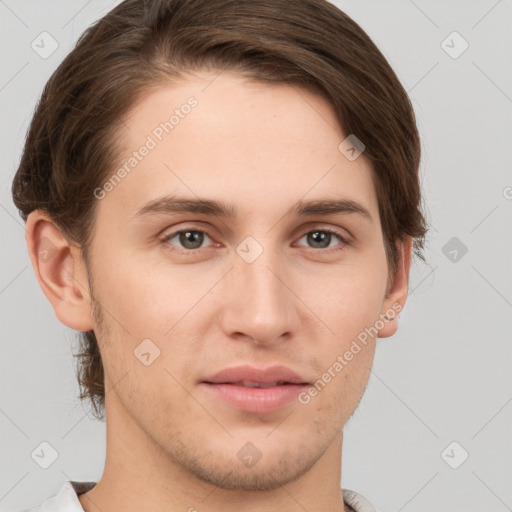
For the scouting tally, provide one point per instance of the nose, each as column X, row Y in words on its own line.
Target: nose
column 259, row 301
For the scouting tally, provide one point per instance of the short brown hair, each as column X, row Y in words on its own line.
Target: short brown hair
column 71, row 145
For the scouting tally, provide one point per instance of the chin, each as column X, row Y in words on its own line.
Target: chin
column 263, row 476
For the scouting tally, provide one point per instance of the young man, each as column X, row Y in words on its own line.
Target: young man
column 223, row 197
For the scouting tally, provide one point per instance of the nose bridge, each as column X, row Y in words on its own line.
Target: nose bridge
column 261, row 305
column 261, row 283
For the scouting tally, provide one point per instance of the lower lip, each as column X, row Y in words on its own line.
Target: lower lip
column 256, row 400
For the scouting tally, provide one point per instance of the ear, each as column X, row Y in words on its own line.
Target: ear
column 397, row 292
column 60, row 270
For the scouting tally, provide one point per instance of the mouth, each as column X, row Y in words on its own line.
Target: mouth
column 249, row 384
column 254, row 390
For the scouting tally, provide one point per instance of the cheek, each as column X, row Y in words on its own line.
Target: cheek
column 148, row 297
column 349, row 305
column 347, row 300
column 342, row 380
column 337, row 391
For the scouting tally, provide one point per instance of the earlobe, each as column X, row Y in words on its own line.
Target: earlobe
column 60, row 271
column 397, row 294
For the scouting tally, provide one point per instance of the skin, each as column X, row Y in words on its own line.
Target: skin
column 171, row 445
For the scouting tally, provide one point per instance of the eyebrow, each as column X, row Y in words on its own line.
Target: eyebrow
column 178, row 204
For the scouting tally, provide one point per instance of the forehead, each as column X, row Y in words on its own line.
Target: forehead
column 262, row 146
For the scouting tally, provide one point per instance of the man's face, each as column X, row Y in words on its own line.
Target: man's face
column 262, row 288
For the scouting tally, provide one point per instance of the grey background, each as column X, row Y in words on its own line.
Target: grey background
column 444, row 377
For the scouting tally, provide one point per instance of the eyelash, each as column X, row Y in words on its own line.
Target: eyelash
column 168, row 236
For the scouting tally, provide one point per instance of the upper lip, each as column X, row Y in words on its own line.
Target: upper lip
column 272, row 374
